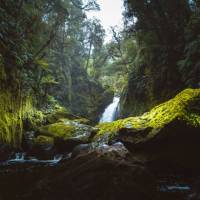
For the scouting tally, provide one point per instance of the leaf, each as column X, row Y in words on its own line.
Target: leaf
column 49, row 79
column 43, row 64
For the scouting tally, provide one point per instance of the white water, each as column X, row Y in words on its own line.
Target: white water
column 110, row 112
column 20, row 158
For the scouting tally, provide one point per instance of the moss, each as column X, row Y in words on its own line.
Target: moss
column 33, row 116
column 59, row 129
column 79, row 120
column 60, row 114
column 109, row 128
column 44, row 140
column 180, row 107
column 13, row 111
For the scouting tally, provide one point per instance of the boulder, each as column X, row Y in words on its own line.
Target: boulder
column 167, row 133
column 42, row 147
column 100, row 175
column 81, row 149
column 5, row 151
column 67, row 134
column 58, row 115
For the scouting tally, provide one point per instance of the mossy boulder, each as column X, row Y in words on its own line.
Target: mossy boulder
column 63, row 114
column 184, row 106
column 58, row 129
column 44, row 141
column 166, row 130
column 42, row 147
column 67, row 134
column 79, row 120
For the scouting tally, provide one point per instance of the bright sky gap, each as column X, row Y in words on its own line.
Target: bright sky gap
column 109, row 15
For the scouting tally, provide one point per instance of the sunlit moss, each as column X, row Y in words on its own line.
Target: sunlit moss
column 180, row 107
column 59, row 129
column 13, row 110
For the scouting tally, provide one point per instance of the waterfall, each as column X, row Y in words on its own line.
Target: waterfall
column 111, row 111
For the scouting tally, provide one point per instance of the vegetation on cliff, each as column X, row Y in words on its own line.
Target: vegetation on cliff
column 166, row 56
column 44, row 48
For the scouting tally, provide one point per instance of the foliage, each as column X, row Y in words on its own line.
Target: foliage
column 191, row 52
column 166, row 58
column 43, row 52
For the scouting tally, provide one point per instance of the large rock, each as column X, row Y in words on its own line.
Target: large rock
column 99, row 175
column 42, row 147
column 67, row 134
column 5, row 151
column 169, row 132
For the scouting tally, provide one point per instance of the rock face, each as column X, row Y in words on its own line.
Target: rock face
column 169, row 132
column 177, row 143
column 88, row 97
column 100, row 174
column 149, row 85
column 5, row 151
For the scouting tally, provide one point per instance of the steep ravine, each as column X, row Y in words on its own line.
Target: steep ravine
column 152, row 156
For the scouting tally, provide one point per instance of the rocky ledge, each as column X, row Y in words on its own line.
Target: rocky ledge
column 170, row 132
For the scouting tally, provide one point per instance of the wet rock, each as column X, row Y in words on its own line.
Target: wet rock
column 5, row 151
column 100, row 175
column 67, row 129
column 195, row 195
column 166, row 144
column 42, row 147
column 67, row 134
column 81, row 149
column 166, row 135
column 28, row 140
column 66, row 146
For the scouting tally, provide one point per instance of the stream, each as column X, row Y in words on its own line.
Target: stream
column 20, row 158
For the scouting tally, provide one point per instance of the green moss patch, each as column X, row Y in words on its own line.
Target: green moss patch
column 59, row 129
column 184, row 106
column 13, row 112
column 44, row 140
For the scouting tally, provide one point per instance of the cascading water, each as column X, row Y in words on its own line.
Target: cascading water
column 111, row 111
column 21, row 159
column 19, row 156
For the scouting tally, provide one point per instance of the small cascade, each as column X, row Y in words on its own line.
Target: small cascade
column 57, row 158
column 19, row 156
column 111, row 111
